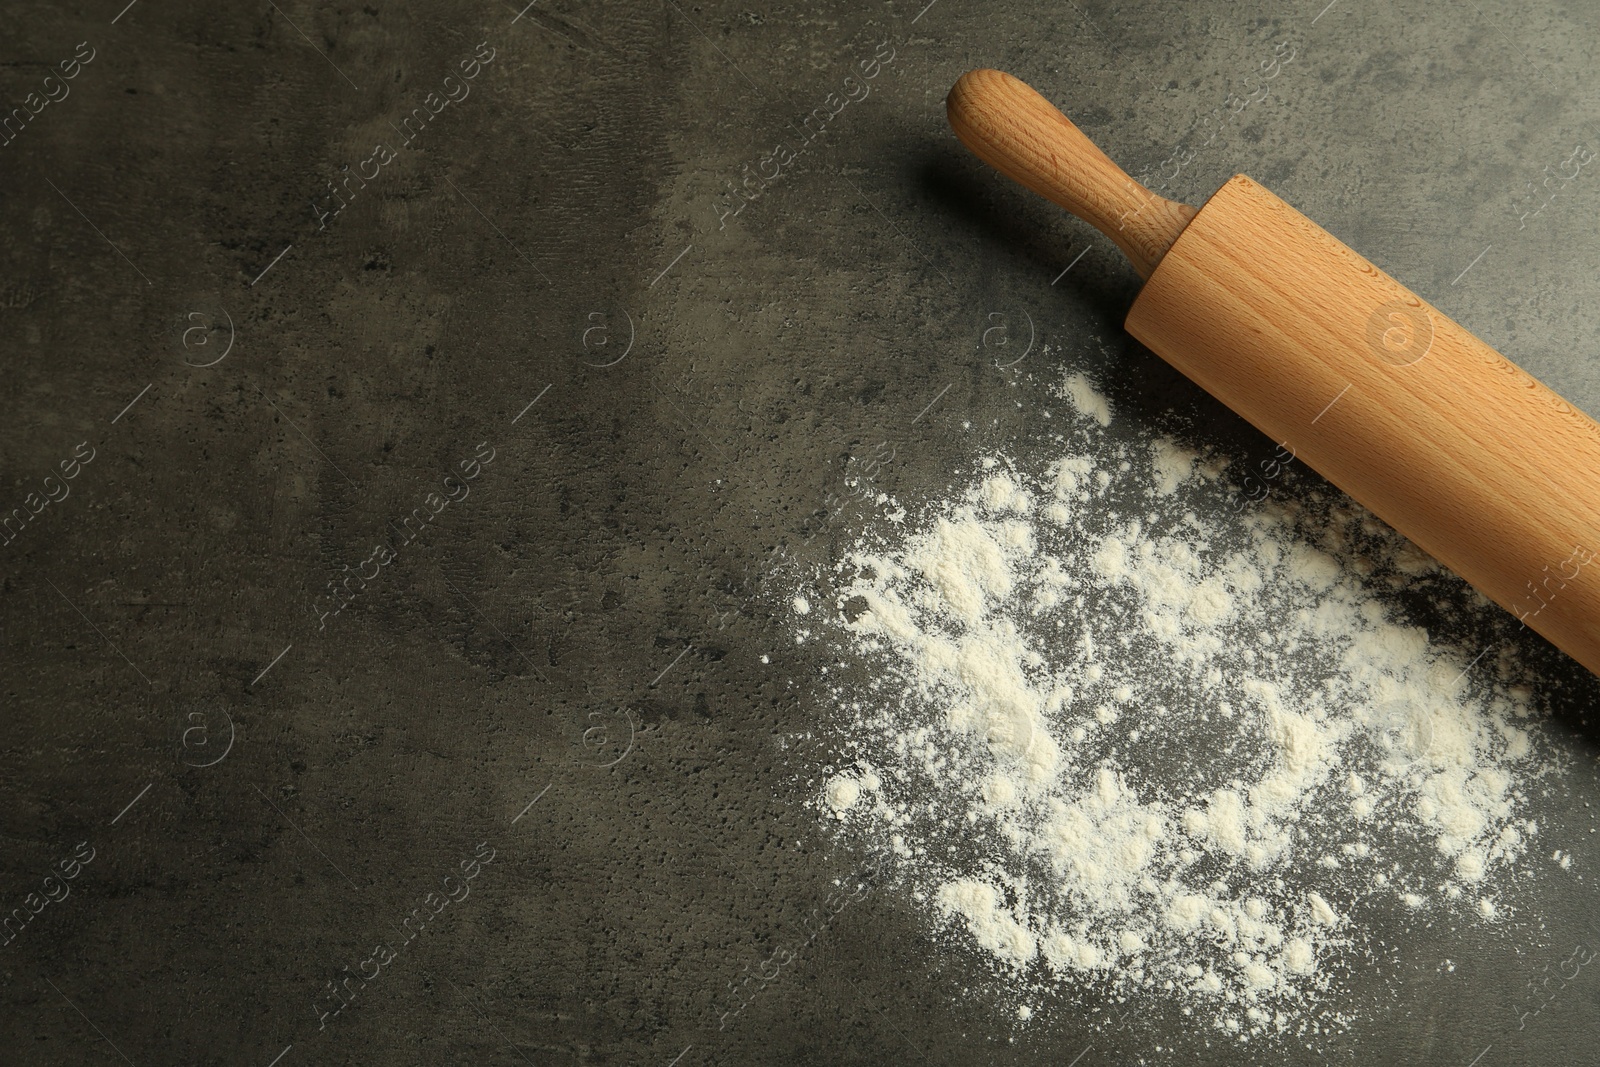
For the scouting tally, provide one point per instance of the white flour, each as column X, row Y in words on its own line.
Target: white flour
column 1121, row 748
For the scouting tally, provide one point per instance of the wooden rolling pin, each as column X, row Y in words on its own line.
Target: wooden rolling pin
column 1452, row 444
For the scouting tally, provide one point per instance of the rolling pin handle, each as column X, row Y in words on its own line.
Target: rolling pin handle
column 1022, row 135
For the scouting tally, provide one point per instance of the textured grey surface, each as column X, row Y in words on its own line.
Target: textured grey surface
column 269, row 791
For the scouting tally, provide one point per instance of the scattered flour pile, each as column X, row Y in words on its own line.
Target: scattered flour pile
column 1123, row 748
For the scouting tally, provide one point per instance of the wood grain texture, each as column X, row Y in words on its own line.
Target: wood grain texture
column 1438, row 434
column 1445, row 439
column 1022, row 135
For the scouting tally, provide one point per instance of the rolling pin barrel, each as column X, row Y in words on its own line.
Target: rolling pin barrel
column 1455, row 446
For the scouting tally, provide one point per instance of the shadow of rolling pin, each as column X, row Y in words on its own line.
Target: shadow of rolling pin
column 1452, row 444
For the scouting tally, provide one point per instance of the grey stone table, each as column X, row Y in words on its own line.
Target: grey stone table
column 408, row 407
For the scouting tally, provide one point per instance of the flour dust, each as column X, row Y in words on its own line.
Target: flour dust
column 1129, row 744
